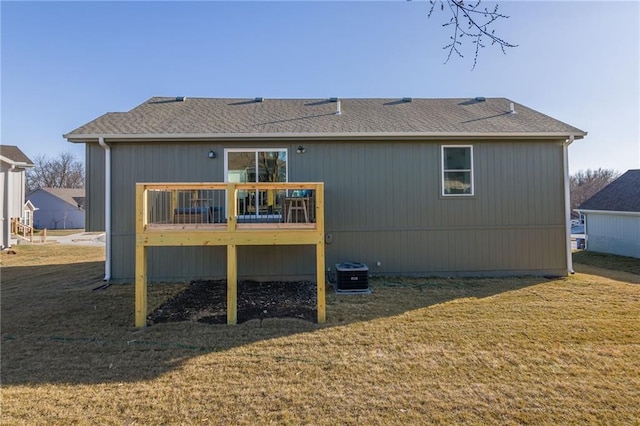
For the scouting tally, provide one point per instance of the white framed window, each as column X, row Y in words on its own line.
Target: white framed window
column 457, row 170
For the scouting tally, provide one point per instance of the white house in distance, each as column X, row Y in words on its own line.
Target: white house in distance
column 13, row 166
column 612, row 217
column 58, row 208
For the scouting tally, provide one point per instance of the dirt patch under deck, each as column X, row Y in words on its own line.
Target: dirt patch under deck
column 206, row 301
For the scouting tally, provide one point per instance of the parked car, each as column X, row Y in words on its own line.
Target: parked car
column 577, row 235
column 577, row 229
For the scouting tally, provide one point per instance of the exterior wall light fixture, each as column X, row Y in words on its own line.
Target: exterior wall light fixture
column 212, row 154
column 301, row 149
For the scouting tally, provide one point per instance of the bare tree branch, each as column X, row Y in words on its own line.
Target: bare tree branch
column 584, row 184
column 61, row 172
column 472, row 21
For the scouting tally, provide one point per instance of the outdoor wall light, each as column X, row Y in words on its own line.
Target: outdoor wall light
column 301, row 150
column 212, row 154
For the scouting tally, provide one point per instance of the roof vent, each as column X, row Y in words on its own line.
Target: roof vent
column 512, row 108
column 338, row 111
column 259, row 99
column 480, row 99
column 181, row 99
column 407, row 99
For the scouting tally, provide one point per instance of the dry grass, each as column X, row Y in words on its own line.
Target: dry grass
column 608, row 261
column 58, row 232
column 479, row 351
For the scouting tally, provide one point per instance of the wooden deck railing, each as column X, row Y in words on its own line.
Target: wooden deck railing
column 21, row 229
column 231, row 214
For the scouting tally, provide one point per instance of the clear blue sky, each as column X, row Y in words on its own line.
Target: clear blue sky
column 66, row 63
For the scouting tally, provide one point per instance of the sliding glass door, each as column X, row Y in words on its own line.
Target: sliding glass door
column 244, row 165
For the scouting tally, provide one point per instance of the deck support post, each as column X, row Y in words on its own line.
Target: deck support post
column 141, row 259
column 320, row 275
column 320, row 280
column 141, row 286
column 232, row 258
column 232, row 285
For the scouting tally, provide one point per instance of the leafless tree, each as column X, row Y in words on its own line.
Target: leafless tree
column 585, row 183
column 64, row 171
column 473, row 21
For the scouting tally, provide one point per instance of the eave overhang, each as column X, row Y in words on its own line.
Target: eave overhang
column 608, row 212
column 365, row 136
column 19, row 164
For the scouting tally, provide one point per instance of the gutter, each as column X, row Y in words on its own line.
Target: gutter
column 567, row 203
column 107, row 207
column 608, row 212
column 370, row 136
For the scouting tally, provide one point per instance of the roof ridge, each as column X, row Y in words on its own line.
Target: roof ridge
column 313, row 98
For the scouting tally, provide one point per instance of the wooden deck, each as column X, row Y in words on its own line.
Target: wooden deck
column 230, row 233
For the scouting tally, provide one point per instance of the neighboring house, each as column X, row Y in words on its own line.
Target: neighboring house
column 28, row 212
column 612, row 217
column 13, row 166
column 447, row 187
column 58, row 208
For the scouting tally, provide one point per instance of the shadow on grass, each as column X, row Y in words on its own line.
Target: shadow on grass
column 617, row 268
column 57, row 329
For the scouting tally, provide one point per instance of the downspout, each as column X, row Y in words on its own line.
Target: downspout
column 107, row 207
column 567, row 203
column 586, row 232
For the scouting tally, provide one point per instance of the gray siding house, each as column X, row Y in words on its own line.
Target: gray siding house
column 429, row 187
column 58, row 208
column 13, row 166
column 612, row 217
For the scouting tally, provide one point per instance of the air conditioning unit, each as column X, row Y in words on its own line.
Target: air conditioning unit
column 352, row 277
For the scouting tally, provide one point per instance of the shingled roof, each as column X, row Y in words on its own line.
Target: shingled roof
column 621, row 195
column 215, row 118
column 13, row 155
column 72, row 196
